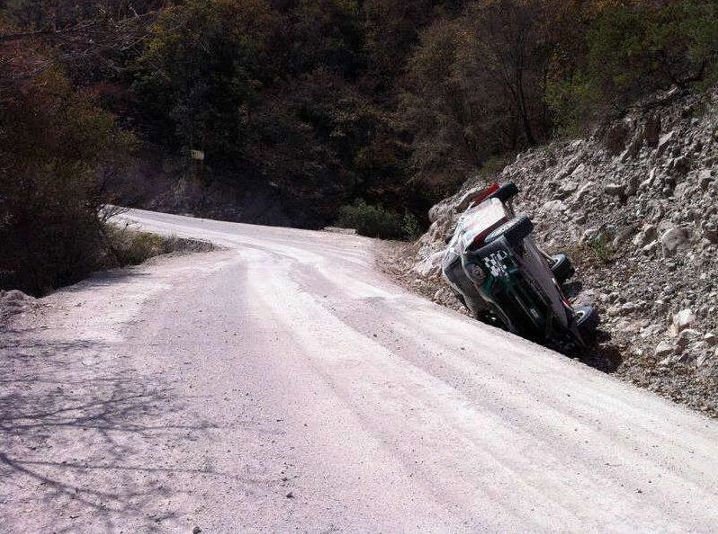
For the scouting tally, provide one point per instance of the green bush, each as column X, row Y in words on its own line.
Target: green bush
column 601, row 249
column 411, row 227
column 633, row 50
column 373, row 221
column 574, row 102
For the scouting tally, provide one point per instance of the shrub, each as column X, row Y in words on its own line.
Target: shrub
column 57, row 150
column 601, row 249
column 635, row 49
column 411, row 227
column 373, row 221
column 130, row 247
column 133, row 248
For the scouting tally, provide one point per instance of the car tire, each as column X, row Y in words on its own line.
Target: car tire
column 561, row 268
column 506, row 192
column 586, row 321
column 565, row 343
column 515, row 231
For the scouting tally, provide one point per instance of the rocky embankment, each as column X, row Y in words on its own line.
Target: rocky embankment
column 14, row 302
column 636, row 208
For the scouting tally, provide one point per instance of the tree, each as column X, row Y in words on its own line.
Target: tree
column 57, row 151
column 477, row 85
column 203, row 71
column 633, row 50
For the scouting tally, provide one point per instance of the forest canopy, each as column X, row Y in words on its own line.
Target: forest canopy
column 387, row 101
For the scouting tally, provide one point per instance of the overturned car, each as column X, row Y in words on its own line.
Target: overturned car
column 503, row 278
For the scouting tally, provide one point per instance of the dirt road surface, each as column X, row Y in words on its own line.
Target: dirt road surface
column 283, row 384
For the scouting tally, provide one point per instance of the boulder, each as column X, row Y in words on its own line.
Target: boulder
column 652, row 130
column 633, row 148
column 709, row 231
column 665, row 142
column 629, row 307
column 645, row 184
column 623, row 235
column 663, row 349
column 614, row 189
column 705, row 179
column 686, row 337
column 650, row 248
column 13, row 302
column 632, row 185
column 583, row 191
column 679, row 166
column 647, row 235
column 615, row 137
column 681, row 321
column 711, row 339
column 13, row 296
column 567, row 188
column 554, row 205
column 437, row 211
column 431, row 266
column 674, row 239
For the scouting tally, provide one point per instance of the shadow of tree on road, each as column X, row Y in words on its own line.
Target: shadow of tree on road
column 79, row 433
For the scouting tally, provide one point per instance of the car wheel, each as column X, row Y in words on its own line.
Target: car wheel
column 562, row 268
column 506, row 192
column 564, row 342
column 514, row 231
column 586, row 320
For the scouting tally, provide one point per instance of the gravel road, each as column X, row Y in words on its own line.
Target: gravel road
column 283, row 383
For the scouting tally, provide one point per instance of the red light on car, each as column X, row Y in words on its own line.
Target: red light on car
column 486, row 193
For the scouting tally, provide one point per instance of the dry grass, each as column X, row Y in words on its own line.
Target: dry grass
column 131, row 247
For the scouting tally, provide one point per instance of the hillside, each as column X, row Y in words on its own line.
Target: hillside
column 635, row 205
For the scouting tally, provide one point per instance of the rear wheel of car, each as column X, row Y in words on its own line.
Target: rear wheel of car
column 506, row 192
column 565, row 343
column 515, row 230
column 562, row 268
column 587, row 321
